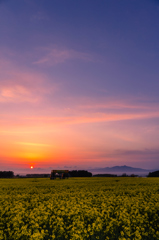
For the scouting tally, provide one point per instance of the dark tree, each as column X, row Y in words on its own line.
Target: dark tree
column 124, row 175
column 80, row 173
column 153, row 174
column 6, row 174
column 105, row 175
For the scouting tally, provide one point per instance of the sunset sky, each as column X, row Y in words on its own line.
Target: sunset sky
column 79, row 84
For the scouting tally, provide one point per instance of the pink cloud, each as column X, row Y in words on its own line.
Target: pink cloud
column 16, row 93
column 126, row 103
column 93, row 118
column 52, row 56
column 21, row 85
column 53, row 115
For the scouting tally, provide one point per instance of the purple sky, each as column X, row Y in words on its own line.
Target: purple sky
column 79, row 83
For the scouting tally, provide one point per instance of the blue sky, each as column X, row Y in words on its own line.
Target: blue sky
column 81, row 76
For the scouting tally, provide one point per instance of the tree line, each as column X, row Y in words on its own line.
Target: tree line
column 153, row 174
column 6, row 174
column 80, row 173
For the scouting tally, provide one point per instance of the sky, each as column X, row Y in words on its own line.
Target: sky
column 79, row 83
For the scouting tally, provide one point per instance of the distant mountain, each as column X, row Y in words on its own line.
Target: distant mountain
column 120, row 169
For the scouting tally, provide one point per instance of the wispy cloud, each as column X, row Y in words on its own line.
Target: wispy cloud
column 33, row 144
column 94, row 118
column 16, row 93
column 117, row 104
column 21, row 85
column 137, row 155
column 128, row 103
column 52, row 56
column 145, row 152
column 126, row 156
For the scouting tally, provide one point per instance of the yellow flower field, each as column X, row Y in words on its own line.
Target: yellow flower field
column 79, row 208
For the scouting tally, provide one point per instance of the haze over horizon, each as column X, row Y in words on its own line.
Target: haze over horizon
column 79, row 83
column 119, row 170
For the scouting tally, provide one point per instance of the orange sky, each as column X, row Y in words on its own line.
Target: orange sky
column 80, row 136
column 78, row 84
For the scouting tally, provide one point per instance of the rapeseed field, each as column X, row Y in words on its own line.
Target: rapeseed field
column 79, row 208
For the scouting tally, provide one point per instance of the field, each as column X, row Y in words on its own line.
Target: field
column 79, row 208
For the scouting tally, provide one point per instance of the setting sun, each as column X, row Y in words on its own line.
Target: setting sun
column 87, row 100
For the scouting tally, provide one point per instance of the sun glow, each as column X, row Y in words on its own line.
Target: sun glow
column 31, row 167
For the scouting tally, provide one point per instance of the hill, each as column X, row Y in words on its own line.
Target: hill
column 121, row 169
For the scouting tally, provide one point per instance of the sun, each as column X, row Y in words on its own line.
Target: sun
column 31, row 167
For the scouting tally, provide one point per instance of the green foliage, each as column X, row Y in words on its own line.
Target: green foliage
column 81, row 208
